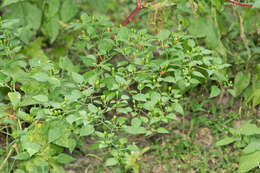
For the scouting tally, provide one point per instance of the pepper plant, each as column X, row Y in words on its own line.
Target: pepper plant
column 58, row 100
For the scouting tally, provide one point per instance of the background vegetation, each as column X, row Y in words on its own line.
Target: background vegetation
column 176, row 90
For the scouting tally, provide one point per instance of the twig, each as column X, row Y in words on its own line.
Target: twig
column 132, row 15
column 240, row 4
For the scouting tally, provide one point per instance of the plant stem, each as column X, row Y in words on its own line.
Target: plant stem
column 241, row 4
column 132, row 15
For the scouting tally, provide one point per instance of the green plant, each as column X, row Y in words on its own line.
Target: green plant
column 134, row 93
column 247, row 137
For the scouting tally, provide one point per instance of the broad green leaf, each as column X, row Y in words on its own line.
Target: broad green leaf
column 89, row 60
column 74, row 95
column 178, row 108
column 52, row 8
column 249, row 161
column 77, row 77
column 256, row 4
column 111, row 162
column 198, row 74
column 105, row 45
column 51, row 28
column 248, row 129
column 169, row 79
column 164, row 34
column 162, row 130
column 87, row 130
column 15, row 98
column 29, row 146
column 100, row 5
column 22, row 156
column 65, row 158
column 19, row 171
column 215, row 91
column 252, row 146
column 256, row 99
column 135, row 130
column 41, row 76
column 242, row 81
column 66, row 64
column 136, row 122
column 9, row 2
column 92, row 108
column 226, row 141
column 41, row 98
column 54, row 133
column 68, row 10
column 139, row 97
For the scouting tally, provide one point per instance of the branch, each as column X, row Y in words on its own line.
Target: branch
column 132, row 15
column 241, row 4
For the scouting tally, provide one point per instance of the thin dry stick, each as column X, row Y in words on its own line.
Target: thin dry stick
column 244, row 39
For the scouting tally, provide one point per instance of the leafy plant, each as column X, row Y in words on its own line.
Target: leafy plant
column 246, row 136
column 135, row 90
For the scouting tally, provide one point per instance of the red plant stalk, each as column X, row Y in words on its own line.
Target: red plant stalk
column 239, row 3
column 124, row 23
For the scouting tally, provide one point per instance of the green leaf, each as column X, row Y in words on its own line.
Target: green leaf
column 226, row 141
column 100, row 5
column 92, row 108
column 111, row 162
column 9, row 2
column 164, row 34
column 136, row 122
column 15, row 98
column 242, row 81
column 253, row 146
column 65, row 158
column 248, row 129
column 19, row 171
column 256, row 4
column 256, row 99
column 169, row 79
column 135, row 130
column 51, row 27
column 41, row 98
column 198, row 74
column 68, row 10
column 54, row 133
column 248, row 162
column 105, row 44
column 22, row 156
column 162, row 130
column 52, row 8
column 77, row 77
column 87, row 130
column 30, row 147
column 66, row 64
column 178, row 108
column 139, row 97
column 41, row 76
column 215, row 91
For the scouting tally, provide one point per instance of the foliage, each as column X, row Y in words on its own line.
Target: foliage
column 66, row 83
column 247, row 136
column 132, row 92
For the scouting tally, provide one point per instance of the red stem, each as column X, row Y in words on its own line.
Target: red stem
column 132, row 15
column 239, row 3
